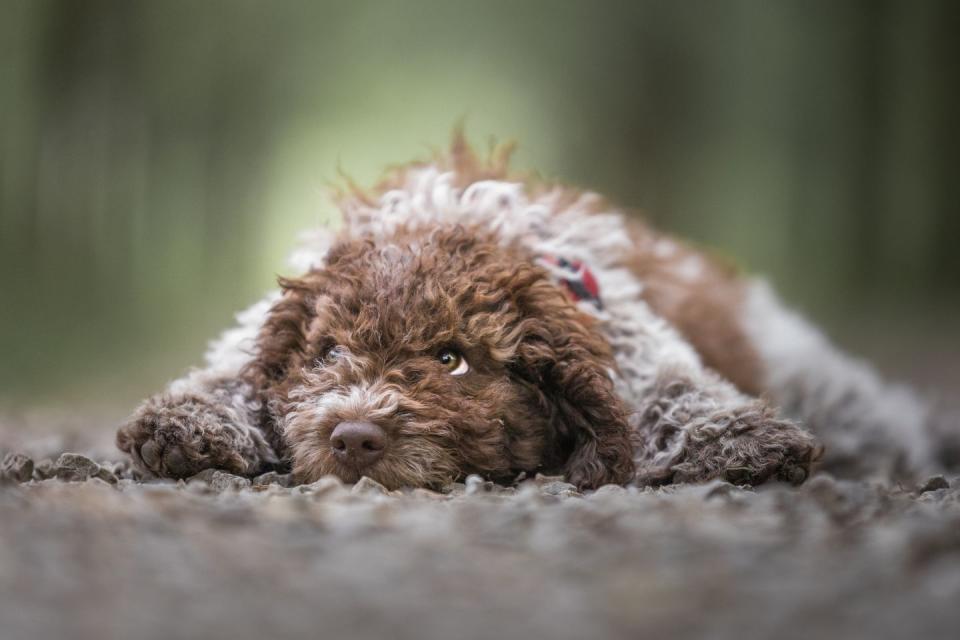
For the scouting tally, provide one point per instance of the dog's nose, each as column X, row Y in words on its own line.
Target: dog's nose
column 358, row 443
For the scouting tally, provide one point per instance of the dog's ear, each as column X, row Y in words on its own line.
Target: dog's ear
column 563, row 354
column 282, row 343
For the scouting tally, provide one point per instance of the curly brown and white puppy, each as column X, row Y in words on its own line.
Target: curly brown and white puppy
column 465, row 320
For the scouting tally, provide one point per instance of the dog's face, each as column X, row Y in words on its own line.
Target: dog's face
column 419, row 361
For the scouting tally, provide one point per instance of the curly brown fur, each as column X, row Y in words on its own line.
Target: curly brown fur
column 358, row 340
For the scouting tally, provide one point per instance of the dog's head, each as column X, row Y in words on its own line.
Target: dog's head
column 421, row 360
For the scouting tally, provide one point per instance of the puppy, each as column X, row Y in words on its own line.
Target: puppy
column 464, row 319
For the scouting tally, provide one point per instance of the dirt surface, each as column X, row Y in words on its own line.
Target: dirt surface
column 88, row 551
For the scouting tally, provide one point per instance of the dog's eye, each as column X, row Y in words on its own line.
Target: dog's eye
column 454, row 362
column 331, row 354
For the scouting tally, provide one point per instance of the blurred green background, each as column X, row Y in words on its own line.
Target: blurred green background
column 158, row 158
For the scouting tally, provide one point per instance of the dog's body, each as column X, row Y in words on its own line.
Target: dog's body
column 464, row 321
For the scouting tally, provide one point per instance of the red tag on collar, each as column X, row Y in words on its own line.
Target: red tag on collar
column 576, row 279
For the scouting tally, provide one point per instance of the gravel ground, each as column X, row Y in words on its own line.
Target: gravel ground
column 87, row 550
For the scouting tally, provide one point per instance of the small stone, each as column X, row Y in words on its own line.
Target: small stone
column 123, row 470
column 453, row 489
column 795, row 475
column 118, row 469
column 822, row 484
column 559, row 488
column 608, row 490
column 367, row 486
column 272, row 477
column 498, row 489
column 322, row 487
column 16, row 467
column 73, row 467
column 44, row 470
column 220, row 480
column 541, row 479
column 204, row 476
column 198, row 487
column 475, row 484
column 933, row 483
column 529, row 494
column 718, row 489
column 106, row 475
column 225, row 481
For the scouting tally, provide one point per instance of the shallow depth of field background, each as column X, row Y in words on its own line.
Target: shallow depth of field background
column 157, row 158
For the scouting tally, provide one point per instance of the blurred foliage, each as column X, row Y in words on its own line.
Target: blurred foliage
column 158, row 157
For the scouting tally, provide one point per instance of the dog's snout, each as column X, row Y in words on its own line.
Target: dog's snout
column 358, row 443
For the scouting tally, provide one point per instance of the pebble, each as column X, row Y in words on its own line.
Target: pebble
column 528, row 494
column 120, row 470
column 541, row 479
column 219, row 480
column 560, row 488
column 223, row 481
column 608, row 490
column 73, row 467
column 106, row 475
column 323, row 486
column 16, row 467
column 44, row 470
column 272, row 477
column 475, row 485
column 718, row 489
column 933, row 483
column 367, row 486
column 454, row 489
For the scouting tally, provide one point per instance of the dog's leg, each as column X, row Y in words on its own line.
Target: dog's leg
column 208, row 419
column 869, row 427
column 694, row 427
column 177, row 434
column 690, row 424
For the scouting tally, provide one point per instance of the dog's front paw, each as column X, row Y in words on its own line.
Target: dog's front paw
column 177, row 436
column 782, row 451
column 749, row 446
